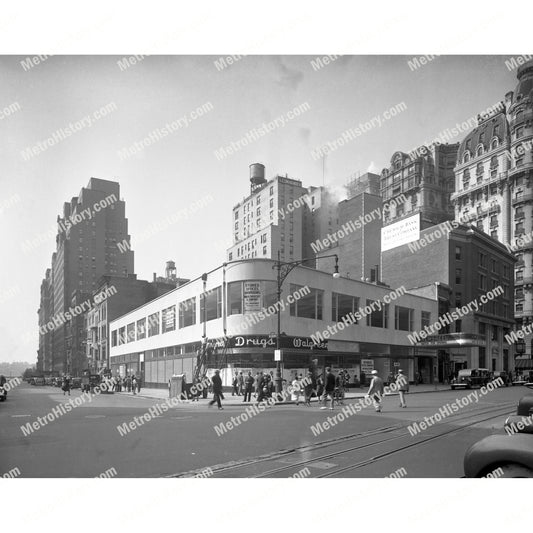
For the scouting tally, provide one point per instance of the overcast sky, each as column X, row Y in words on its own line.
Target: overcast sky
column 182, row 168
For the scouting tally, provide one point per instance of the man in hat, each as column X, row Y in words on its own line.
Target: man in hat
column 217, row 390
column 376, row 390
column 403, row 386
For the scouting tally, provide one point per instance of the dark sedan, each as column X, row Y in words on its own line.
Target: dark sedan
column 510, row 455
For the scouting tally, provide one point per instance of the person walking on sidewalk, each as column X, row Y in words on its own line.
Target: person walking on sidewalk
column 66, row 385
column 376, row 390
column 296, row 390
column 403, row 387
column 133, row 384
column 329, row 388
column 217, row 390
column 240, row 379
column 248, row 387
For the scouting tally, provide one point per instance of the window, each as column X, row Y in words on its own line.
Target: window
column 494, row 333
column 458, row 253
column 458, row 276
column 482, row 282
column 187, row 313
column 403, row 318
column 271, row 190
column 211, row 305
column 506, row 271
column 380, row 317
column 426, row 319
column 153, row 324
column 493, row 221
column 271, row 203
column 482, row 260
column 309, row 306
column 235, row 298
column 519, row 275
column 519, row 132
column 264, row 250
column 258, row 212
column 519, row 212
column 458, row 326
column 141, row 329
column 168, row 319
column 458, row 299
column 130, row 330
column 519, row 228
column 342, row 305
column 122, row 335
column 482, row 328
column 114, row 338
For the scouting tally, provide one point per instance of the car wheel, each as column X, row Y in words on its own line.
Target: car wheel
column 515, row 470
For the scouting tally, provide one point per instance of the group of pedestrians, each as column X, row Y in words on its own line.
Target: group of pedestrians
column 377, row 388
column 127, row 384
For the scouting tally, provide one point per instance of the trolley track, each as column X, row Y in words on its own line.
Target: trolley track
column 231, row 468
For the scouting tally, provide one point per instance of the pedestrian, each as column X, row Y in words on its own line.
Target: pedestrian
column 262, row 387
column 403, row 387
column 217, row 390
column 308, row 389
column 240, row 379
column 258, row 378
column 376, row 390
column 128, row 383
column 363, row 379
column 329, row 388
column 235, row 383
column 66, row 385
column 133, row 384
column 206, row 386
column 248, row 387
column 138, row 385
column 319, row 387
column 296, row 390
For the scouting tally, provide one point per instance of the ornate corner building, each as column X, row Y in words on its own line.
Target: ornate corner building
column 494, row 185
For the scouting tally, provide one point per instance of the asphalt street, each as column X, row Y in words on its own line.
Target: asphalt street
column 278, row 442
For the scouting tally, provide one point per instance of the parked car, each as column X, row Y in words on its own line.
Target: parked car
column 471, row 377
column 75, row 383
column 512, row 454
column 506, row 378
column 3, row 391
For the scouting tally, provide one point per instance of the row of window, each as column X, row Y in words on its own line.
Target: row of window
column 263, row 295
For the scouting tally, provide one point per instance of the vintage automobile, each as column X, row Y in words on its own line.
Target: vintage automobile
column 471, row 377
column 505, row 377
column 509, row 455
column 3, row 391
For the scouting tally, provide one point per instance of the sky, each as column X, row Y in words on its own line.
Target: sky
column 170, row 175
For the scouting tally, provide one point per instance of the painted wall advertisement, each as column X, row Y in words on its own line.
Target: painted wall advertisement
column 402, row 232
column 253, row 299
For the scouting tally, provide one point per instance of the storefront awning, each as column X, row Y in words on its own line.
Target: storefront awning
column 523, row 364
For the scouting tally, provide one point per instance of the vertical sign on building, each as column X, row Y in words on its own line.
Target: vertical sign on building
column 253, row 299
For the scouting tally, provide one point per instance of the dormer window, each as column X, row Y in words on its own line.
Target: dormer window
column 466, row 157
column 494, row 144
column 479, row 150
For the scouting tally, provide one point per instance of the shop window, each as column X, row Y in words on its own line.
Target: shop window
column 403, row 318
column 378, row 318
column 426, row 319
column 141, row 328
column 114, row 338
column 211, row 305
column 153, row 324
column 343, row 305
column 187, row 313
column 308, row 306
column 168, row 319
column 235, row 298
column 130, row 330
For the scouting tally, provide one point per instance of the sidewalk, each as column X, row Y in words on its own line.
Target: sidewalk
column 162, row 395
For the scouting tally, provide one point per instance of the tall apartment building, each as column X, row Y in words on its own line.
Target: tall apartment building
column 86, row 248
column 494, row 187
column 45, row 313
column 426, row 179
column 270, row 219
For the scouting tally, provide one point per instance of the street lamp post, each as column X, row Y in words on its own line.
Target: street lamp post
column 284, row 269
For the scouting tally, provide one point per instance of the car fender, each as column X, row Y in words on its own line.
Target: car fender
column 496, row 450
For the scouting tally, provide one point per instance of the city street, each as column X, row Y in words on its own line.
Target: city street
column 85, row 442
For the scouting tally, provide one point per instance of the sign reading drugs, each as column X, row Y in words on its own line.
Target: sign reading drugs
column 402, row 232
column 253, row 299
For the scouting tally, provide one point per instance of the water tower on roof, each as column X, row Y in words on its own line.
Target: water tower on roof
column 170, row 271
column 257, row 176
